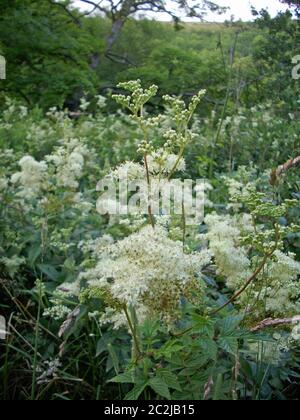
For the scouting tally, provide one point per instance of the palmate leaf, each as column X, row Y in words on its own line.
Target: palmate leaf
column 150, row 328
column 229, row 334
column 202, row 325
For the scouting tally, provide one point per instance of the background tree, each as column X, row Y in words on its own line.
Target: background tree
column 48, row 56
column 118, row 11
column 273, row 49
column 293, row 3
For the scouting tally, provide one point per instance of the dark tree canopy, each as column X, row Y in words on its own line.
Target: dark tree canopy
column 293, row 3
column 45, row 49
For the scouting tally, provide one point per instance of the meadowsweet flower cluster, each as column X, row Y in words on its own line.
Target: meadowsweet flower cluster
column 148, row 271
column 57, row 311
column 295, row 335
column 31, row 177
column 163, row 162
column 13, row 264
column 130, row 171
column 275, row 291
column 231, row 258
column 3, row 184
column 69, row 160
column 282, row 293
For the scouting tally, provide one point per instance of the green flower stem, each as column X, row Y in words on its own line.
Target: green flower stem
column 136, row 345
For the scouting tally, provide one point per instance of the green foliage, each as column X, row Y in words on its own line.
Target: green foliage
column 54, row 57
column 195, row 365
column 203, row 356
column 47, row 54
column 62, row 342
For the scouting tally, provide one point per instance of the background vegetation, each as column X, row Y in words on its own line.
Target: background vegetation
column 63, row 68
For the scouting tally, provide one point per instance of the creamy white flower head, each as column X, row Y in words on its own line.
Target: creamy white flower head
column 96, row 246
column 231, row 258
column 149, row 271
column 3, row 184
column 282, row 298
column 101, row 101
column 23, row 111
column 84, row 104
column 161, row 161
column 130, row 171
column 295, row 334
column 58, row 312
column 76, row 159
column 276, row 290
column 202, row 189
column 69, row 161
column 70, row 289
column 12, row 264
column 204, row 186
column 31, row 177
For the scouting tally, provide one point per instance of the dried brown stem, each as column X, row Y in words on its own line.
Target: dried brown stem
column 269, row 322
column 151, row 218
column 278, row 172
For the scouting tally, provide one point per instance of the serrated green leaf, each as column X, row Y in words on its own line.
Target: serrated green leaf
column 169, row 348
column 199, row 361
column 136, row 391
column 160, row 387
column 124, row 378
column 150, row 327
column 228, row 344
column 230, row 324
column 170, row 379
column 209, row 347
column 202, row 325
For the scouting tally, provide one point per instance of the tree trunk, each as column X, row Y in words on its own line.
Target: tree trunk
column 115, row 32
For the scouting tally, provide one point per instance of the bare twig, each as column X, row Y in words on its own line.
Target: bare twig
column 151, row 218
column 96, row 6
column 208, row 387
column 69, row 322
column 277, row 173
column 269, row 322
column 121, row 59
column 69, row 13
